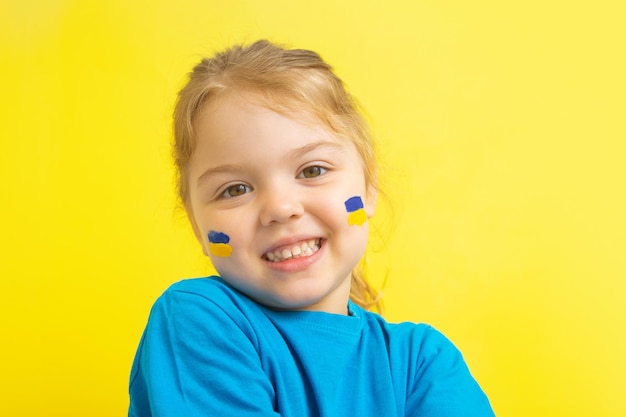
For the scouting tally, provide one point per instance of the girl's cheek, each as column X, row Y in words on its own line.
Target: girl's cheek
column 356, row 211
column 218, row 244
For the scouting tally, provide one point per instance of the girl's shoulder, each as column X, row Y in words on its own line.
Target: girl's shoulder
column 209, row 290
column 206, row 300
column 404, row 329
column 206, row 287
column 406, row 338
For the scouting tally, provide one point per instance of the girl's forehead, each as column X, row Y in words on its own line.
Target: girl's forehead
column 241, row 109
column 237, row 120
column 241, row 100
column 235, row 127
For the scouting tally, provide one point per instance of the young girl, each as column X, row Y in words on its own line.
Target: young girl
column 278, row 176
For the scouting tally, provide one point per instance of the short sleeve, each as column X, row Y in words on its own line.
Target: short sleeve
column 442, row 384
column 194, row 360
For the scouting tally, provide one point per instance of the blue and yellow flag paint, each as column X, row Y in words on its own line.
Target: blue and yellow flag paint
column 356, row 211
column 218, row 244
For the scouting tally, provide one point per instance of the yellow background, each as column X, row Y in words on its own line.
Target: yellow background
column 501, row 129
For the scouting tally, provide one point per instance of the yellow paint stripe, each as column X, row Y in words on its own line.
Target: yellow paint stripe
column 357, row 218
column 220, row 249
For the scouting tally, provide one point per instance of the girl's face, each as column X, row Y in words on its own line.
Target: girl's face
column 271, row 201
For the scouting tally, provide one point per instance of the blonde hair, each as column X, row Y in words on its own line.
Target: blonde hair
column 284, row 80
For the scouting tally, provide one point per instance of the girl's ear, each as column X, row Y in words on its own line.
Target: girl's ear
column 370, row 201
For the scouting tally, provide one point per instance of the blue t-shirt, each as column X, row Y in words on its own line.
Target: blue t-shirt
column 209, row 350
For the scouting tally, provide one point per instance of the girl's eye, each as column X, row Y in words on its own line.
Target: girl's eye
column 312, row 171
column 235, row 191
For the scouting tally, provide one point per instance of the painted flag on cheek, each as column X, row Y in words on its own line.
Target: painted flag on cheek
column 218, row 244
column 356, row 211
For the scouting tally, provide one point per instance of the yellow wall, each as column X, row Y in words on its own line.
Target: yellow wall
column 501, row 128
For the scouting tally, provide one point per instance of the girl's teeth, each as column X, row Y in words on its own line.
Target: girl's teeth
column 303, row 249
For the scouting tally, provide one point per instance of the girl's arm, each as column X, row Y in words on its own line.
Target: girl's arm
column 442, row 384
column 194, row 360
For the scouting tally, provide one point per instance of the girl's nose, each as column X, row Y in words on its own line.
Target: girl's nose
column 280, row 207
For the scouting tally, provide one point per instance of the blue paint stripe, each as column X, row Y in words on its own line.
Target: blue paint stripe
column 354, row 203
column 218, row 237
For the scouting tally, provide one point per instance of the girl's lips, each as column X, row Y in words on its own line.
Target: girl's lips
column 297, row 249
column 295, row 263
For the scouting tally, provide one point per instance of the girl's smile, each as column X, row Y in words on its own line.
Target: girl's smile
column 300, row 249
column 277, row 187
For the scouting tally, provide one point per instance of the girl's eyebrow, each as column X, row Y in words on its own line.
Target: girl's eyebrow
column 333, row 146
column 295, row 154
column 215, row 170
